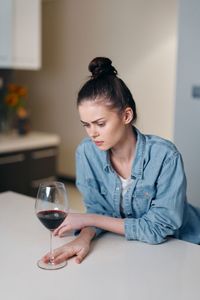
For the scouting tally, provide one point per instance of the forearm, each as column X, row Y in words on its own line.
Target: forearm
column 107, row 223
column 87, row 233
column 86, row 223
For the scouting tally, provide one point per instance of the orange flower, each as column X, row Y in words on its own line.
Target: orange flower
column 12, row 100
column 12, row 87
column 16, row 99
column 22, row 91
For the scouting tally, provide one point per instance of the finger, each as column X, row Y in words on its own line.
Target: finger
column 81, row 255
column 56, row 253
column 63, row 256
column 78, row 260
column 64, row 229
column 46, row 258
column 56, row 231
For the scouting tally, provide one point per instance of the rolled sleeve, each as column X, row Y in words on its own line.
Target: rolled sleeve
column 165, row 215
column 92, row 200
column 130, row 229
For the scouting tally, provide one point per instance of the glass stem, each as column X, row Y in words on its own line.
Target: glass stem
column 51, row 259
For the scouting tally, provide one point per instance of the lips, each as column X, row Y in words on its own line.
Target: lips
column 98, row 143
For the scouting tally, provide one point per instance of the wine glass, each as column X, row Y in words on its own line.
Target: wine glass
column 51, row 207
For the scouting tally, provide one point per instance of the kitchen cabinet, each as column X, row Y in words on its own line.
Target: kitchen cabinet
column 13, row 173
column 6, row 8
column 23, row 169
column 20, row 34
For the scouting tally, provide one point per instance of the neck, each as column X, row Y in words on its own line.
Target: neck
column 124, row 150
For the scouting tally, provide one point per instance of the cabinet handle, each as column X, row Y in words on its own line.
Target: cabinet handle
column 43, row 153
column 12, row 159
column 37, row 182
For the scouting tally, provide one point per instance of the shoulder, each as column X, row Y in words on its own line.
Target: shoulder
column 85, row 146
column 90, row 157
column 160, row 148
column 160, row 155
column 88, row 149
column 159, row 142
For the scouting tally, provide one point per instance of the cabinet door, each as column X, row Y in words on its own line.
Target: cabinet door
column 6, row 8
column 27, row 34
column 20, row 34
column 42, row 167
column 13, row 173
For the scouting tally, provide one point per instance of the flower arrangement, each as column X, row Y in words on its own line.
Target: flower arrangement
column 16, row 99
column 17, row 105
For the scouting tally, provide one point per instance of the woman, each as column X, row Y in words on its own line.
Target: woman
column 133, row 184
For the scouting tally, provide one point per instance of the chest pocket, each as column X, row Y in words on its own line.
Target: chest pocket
column 97, row 185
column 141, row 200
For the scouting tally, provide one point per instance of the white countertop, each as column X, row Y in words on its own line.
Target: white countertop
column 14, row 142
column 115, row 269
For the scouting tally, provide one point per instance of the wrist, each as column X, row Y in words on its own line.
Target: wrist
column 91, row 220
column 87, row 233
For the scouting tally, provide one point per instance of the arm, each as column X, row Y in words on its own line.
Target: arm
column 164, row 217
column 93, row 196
column 77, row 221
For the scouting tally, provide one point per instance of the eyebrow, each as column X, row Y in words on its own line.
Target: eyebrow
column 95, row 121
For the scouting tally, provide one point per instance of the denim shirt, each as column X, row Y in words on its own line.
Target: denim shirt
column 155, row 206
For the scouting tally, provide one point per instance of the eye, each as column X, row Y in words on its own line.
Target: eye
column 85, row 125
column 101, row 124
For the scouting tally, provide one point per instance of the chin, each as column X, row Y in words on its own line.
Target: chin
column 103, row 148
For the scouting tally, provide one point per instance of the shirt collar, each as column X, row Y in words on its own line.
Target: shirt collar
column 137, row 168
column 106, row 161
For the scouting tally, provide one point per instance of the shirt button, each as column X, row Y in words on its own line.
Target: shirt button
column 117, row 188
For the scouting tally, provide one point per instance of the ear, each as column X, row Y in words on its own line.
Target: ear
column 128, row 115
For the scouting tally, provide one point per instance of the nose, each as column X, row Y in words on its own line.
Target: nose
column 93, row 132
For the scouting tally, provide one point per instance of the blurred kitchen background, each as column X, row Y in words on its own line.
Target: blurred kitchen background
column 46, row 47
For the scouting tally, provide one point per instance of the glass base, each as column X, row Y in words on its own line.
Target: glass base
column 50, row 265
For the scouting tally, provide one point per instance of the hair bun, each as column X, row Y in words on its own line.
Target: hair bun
column 101, row 66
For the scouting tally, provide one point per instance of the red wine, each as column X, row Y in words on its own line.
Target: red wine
column 51, row 218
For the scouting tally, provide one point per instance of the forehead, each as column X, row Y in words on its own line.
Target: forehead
column 92, row 109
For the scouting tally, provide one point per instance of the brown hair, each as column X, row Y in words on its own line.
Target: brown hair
column 104, row 83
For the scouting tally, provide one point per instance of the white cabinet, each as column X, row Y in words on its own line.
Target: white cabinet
column 5, row 32
column 20, row 34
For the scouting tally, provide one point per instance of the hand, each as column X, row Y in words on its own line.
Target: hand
column 73, row 221
column 78, row 247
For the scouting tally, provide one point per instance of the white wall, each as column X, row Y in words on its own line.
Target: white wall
column 187, row 110
column 140, row 38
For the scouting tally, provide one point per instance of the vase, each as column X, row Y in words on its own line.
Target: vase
column 23, row 125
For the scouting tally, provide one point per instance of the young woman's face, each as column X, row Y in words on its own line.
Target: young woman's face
column 104, row 126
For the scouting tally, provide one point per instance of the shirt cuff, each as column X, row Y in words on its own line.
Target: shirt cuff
column 130, row 229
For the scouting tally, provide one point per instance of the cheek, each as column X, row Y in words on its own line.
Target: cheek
column 114, row 131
